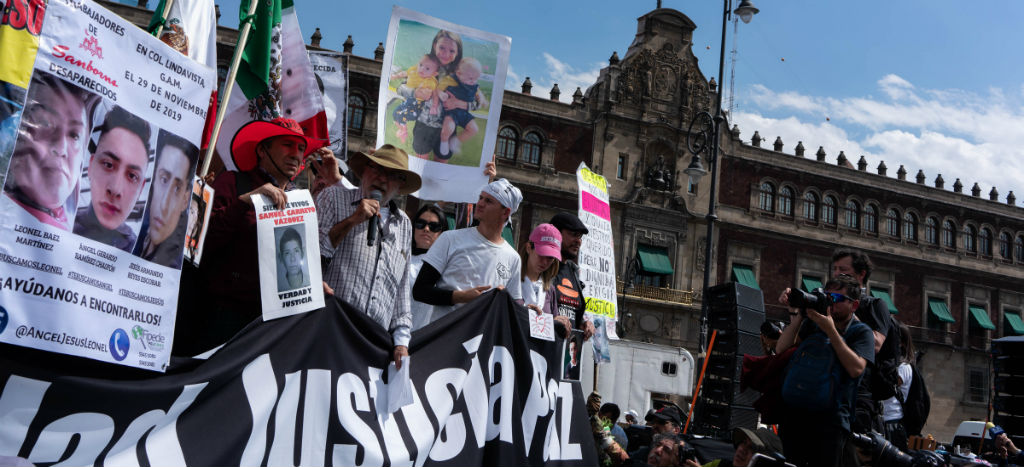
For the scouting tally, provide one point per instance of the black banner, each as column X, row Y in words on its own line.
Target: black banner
column 308, row 390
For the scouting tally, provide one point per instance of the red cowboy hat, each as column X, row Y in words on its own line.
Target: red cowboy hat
column 243, row 144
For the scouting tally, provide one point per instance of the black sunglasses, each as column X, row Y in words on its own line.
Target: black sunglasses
column 433, row 226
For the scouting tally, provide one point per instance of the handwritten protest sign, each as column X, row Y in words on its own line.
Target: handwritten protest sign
column 95, row 195
column 597, row 253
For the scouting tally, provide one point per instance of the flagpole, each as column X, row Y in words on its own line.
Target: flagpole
column 163, row 17
column 243, row 36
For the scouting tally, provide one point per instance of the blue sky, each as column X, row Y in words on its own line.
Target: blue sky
column 932, row 85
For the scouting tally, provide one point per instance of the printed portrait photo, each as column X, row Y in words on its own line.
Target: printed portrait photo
column 164, row 222
column 572, row 350
column 44, row 172
column 198, row 207
column 292, row 268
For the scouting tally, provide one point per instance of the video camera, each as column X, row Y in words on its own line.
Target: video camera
column 884, row 454
column 817, row 300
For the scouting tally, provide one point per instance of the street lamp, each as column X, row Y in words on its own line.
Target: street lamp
column 704, row 138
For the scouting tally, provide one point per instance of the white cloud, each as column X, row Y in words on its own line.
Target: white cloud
column 956, row 133
column 567, row 78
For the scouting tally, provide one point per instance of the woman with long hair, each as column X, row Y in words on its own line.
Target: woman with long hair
column 428, row 224
column 892, row 408
column 540, row 258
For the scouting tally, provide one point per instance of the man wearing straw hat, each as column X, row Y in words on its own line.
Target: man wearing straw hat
column 268, row 154
column 367, row 241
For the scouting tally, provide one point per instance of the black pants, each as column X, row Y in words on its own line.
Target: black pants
column 896, row 434
column 814, row 443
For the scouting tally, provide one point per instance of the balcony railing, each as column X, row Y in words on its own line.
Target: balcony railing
column 682, row 297
column 934, row 336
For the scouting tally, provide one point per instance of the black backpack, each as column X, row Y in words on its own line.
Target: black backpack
column 917, row 405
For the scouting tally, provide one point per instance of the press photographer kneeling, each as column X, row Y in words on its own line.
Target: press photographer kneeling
column 833, row 350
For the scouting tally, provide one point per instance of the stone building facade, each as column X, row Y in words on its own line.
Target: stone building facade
column 951, row 263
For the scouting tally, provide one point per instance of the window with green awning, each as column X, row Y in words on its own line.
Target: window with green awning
column 883, row 295
column 1015, row 323
column 810, row 283
column 939, row 310
column 981, row 317
column 654, row 260
column 744, row 275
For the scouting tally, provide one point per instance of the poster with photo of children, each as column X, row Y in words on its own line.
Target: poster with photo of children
column 441, row 101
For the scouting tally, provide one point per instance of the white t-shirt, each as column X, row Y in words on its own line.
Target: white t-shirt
column 421, row 312
column 891, row 408
column 466, row 259
column 533, row 292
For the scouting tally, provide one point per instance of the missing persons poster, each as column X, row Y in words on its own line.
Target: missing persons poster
column 199, row 207
column 597, row 252
column 441, row 101
column 331, row 72
column 96, row 189
column 289, row 249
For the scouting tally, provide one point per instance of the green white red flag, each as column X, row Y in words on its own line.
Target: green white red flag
column 274, row 79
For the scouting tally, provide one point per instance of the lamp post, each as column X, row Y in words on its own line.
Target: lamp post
column 704, row 137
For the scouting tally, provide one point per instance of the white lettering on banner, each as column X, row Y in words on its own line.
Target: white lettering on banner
column 358, row 399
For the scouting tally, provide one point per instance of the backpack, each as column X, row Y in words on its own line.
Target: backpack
column 812, row 379
column 918, row 404
column 884, row 377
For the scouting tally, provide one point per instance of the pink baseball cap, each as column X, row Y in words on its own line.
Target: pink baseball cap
column 547, row 241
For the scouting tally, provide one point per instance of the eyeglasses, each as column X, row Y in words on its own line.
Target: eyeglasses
column 393, row 175
column 432, row 226
column 838, row 297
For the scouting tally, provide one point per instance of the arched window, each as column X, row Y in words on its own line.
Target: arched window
column 786, row 201
column 931, row 231
column 356, row 111
column 810, row 206
column 531, row 148
column 1018, row 249
column 948, row 234
column 852, row 214
column 892, row 223
column 909, row 227
column 970, row 238
column 985, row 242
column 767, row 199
column 871, row 218
column 1004, row 245
column 828, row 210
column 506, row 144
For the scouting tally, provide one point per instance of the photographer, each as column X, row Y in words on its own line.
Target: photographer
column 834, row 349
column 1005, row 449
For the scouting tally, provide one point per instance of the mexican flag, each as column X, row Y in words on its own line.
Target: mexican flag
column 274, row 79
column 191, row 28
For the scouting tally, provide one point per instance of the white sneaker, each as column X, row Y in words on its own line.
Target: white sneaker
column 454, row 143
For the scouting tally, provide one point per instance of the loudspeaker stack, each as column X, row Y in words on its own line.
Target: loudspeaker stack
column 1008, row 404
column 736, row 312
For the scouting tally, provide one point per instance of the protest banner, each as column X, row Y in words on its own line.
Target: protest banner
column 331, row 71
column 199, row 207
column 92, row 240
column 597, row 252
column 309, row 389
column 289, row 254
column 440, row 100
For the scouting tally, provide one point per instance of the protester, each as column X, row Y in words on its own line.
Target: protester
column 667, row 419
column 892, row 408
column 463, row 264
column 268, row 155
column 428, row 226
column 837, row 337
column 117, row 173
column 610, row 413
column 630, row 416
column 1007, row 452
column 665, row 452
column 540, row 257
column 610, row 451
column 373, row 278
column 747, row 443
column 46, row 166
column 568, row 291
column 162, row 239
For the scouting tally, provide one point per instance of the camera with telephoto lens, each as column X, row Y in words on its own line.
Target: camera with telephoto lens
column 817, row 300
column 884, row 454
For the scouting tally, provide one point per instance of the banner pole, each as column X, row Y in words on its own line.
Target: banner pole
column 243, row 36
column 703, row 368
column 163, row 17
column 596, row 369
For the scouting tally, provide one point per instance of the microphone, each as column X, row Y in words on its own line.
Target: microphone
column 371, row 232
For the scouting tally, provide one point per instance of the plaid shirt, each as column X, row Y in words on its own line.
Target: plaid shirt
column 372, row 279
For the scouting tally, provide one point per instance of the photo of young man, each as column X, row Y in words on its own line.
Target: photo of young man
column 163, row 228
column 292, row 270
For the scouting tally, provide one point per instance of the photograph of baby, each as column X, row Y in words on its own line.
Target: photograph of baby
column 292, row 270
column 441, row 90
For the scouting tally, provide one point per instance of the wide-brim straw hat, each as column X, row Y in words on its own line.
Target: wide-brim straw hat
column 243, row 144
column 392, row 158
